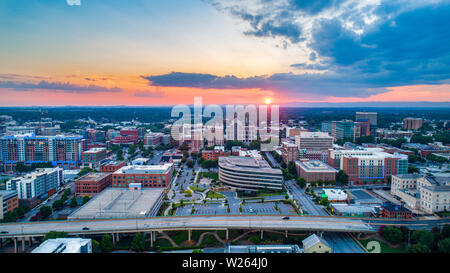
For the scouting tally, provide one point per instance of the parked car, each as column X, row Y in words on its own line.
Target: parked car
column 85, row 228
column 286, row 218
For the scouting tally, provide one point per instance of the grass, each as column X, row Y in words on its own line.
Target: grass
column 444, row 214
column 195, row 188
column 179, row 237
column 384, row 247
column 214, row 195
column 211, row 175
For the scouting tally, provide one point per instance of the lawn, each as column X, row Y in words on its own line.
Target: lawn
column 384, row 247
column 211, row 175
column 195, row 188
column 214, row 195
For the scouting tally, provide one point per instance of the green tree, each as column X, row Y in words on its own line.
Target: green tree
column 342, row 178
column 106, row 243
column 96, row 246
column 392, row 234
column 73, row 202
column 446, row 231
column 55, row 234
column 138, row 243
column 58, row 204
column 86, row 199
column 418, row 248
column 444, row 246
column 46, row 211
column 291, row 169
column 197, row 251
column 423, row 237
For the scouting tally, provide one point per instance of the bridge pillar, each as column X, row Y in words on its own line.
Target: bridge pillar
column 262, row 234
column 358, row 235
column 151, row 238
column 23, row 244
column 1, row 242
column 30, row 240
column 321, row 234
column 114, row 239
column 286, row 233
column 226, row 235
column 15, row 245
column 117, row 238
column 154, row 236
column 189, row 234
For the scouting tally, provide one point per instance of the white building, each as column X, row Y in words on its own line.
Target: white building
column 37, row 183
column 65, row 245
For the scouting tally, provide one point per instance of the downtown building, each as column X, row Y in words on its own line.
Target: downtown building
column 61, row 150
column 92, row 183
column 371, row 117
column 368, row 166
column 424, row 193
column 249, row 173
column 289, row 152
column 93, row 157
column 315, row 170
column 36, row 186
column 412, row 123
column 149, row 176
column 314, row 145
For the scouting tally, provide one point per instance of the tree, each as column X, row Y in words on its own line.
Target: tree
column 96, row 246
column 190, row 163
column 444, row 246
column 46, row 211
column 423, row 237
column 58, row 204
column 418, row 248
column 73, row 202
column 106, row 243
column 86, row 199
column 324, row 202
column 55, row 234
column 446, row 231
column 138, row 243
column 197, row 251
column 413, row 169
column 291, row 169
column 392, row 234
column 342, row 178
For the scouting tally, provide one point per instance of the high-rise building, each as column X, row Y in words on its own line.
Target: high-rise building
column 289, row 152
column 412, row 123
column 368, row 166
column 314, row 145
column 36, row 185
column 372, row 117
column 61, row 150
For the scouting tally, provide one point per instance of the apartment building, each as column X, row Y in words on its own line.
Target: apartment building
column 150, row 176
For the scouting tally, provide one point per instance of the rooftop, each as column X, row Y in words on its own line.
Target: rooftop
column 313, row 240
column 244, row 163
column 315, row 166
column 93, row 177
column 148, row 169
column 62, row 245
column 119, row 203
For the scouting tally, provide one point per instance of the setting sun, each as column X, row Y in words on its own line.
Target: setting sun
column 268, row 101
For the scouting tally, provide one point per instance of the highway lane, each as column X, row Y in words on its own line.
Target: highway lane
column 188, row 222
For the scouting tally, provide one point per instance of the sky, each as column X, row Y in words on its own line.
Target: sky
column 157, row 53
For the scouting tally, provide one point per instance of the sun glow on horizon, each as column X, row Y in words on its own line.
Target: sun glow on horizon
column 268, row 101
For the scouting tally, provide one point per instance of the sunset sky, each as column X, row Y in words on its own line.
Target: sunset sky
column 165, row 52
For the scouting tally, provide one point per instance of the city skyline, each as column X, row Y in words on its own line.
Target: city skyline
column 154, row 53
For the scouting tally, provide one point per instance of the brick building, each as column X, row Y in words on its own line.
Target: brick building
column 92, row 183
column 150, row 176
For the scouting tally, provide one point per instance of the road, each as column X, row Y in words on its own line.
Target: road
column 272, row 160
column 340, row 243
column 304, row 223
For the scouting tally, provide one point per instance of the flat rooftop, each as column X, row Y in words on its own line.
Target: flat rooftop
column 61, row 245
column 142, row 169
column 93, row 176
column 120, row 203
column 315, row 166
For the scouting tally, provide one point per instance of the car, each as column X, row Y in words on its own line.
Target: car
column 4, row 232
column 85, row 228
column 286, row 218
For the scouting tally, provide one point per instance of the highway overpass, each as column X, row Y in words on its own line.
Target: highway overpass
column 216, row 222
